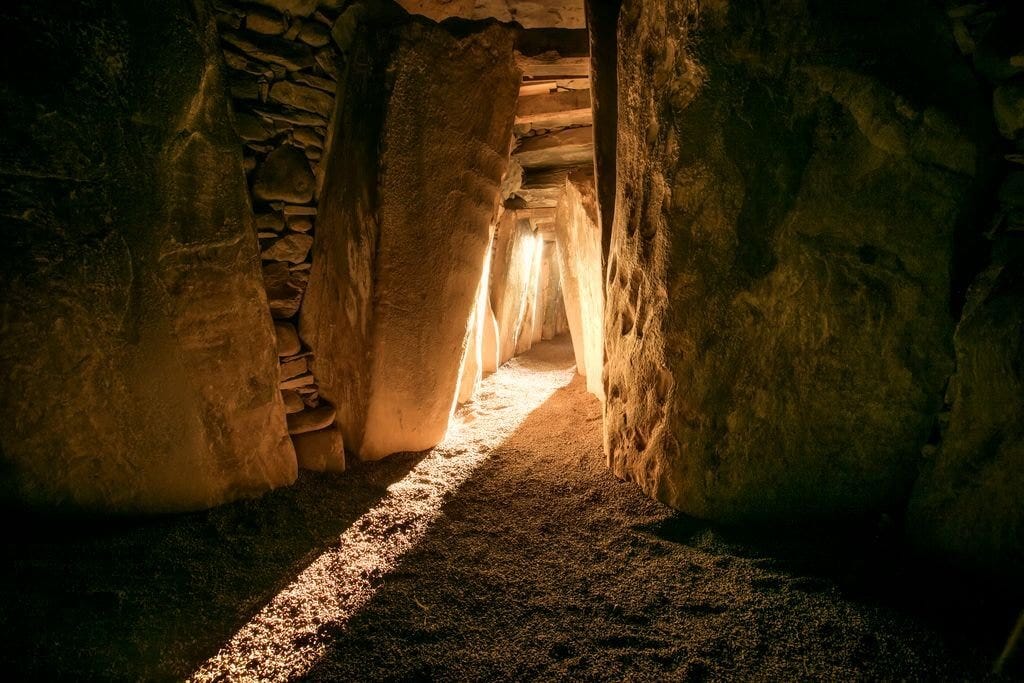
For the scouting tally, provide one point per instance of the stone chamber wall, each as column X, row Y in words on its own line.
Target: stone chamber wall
column 282, row 72
column 815, row 262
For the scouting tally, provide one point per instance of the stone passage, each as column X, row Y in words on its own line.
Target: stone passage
column 282, row 73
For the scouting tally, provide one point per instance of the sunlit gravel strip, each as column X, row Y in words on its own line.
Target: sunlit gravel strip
column 288, row 636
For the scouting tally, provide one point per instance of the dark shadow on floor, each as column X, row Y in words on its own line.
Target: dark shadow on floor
column 152, row 598
column 544, row 566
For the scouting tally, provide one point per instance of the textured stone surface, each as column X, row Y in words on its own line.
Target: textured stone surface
column 284, row 289
column 337, row 312
column 136, row 347
column 311, row 420
column 579, row 252
column 291, row 248
column 777, row 324
column 967, row 503
column 322, row 451
column 288, row 343
column 528, row 13
column 446, row 141
column 284, row 176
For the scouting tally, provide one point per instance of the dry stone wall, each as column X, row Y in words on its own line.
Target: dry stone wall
column 282, row 76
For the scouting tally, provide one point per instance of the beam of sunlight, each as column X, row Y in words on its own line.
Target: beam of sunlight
column 288, row 636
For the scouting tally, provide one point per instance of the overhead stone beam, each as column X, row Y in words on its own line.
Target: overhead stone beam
column 549, row 103
column 551, row 65
column 533, row 14
column 546, row 122
column 550, row 86
column 572, row 147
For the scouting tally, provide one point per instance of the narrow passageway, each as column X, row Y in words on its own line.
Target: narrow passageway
column 541, row 564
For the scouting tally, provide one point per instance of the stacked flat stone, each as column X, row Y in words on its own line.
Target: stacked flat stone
column 282, row 73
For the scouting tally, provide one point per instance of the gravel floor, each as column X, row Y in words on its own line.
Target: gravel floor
column 540, row 564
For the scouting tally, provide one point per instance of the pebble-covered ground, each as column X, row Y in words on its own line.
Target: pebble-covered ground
column 539, row 564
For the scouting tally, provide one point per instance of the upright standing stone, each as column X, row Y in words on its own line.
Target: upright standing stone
column 138, row 363
column 446, row 142
column 777, row 323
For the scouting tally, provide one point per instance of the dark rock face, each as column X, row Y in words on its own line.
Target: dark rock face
column 138, row 359
column 967, row 503
column 777, row 321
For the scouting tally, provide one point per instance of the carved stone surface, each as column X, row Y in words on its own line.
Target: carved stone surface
column 138, row 357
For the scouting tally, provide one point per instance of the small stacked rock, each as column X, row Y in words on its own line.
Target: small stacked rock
column 282, row 73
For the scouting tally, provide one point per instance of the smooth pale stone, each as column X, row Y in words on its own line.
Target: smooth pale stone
column 285, row 176
column 513, row 263
column 579, row 252
column 489, row 348
column 311, row 420
column 292, row 402
column 292, row 367
column 320, row 451
column 429, row 262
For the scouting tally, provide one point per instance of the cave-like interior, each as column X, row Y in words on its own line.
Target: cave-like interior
column 512, row 339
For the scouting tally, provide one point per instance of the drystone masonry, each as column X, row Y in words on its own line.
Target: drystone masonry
column 283, row 68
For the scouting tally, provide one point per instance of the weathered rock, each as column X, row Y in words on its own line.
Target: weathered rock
column 311, row 420
column 298, row 383
column 308, row 137
column 579, row 252
column 777, row 316
column 489, row 349
column 252, row 128
column 288, row 118
column 269, row 222
column 264, row 21
column 284, row 289
column 288, row 343
column 967, row 504
column 321, row 451
column 315, row 34
column 529, row 14
column 284, row 176
column 300, row 224
column 295, row 8
column 291, row 248
column 292, row 367
column 314, row 81
column 136, row 345
column 271, row 49
column 292, row 402
column 1008, row 107
column 336, row 316
column 302, row 97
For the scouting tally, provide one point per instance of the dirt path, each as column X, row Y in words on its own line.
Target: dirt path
column 543, row 565
column 509, row 552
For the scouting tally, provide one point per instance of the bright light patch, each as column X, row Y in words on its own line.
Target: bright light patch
column 288, row 636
